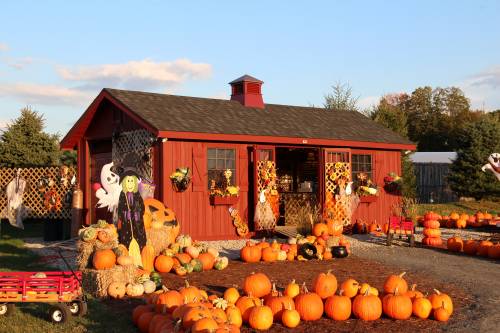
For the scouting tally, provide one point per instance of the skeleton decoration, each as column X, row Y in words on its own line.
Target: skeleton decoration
column 493, row 165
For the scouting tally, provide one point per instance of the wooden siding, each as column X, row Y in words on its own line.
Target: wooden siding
column 383, row 162
column 197, row 217
column 431, row 183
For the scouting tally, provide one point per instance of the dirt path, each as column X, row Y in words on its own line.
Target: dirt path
column 479, row 277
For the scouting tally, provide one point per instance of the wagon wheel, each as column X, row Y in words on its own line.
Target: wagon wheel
column 59, row 313
column 78, row 308
column 6, row 309
column 389, row 238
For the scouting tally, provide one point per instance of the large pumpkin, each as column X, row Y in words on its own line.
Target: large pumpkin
column 338, row 307
column 207, row 260
column 269, row 254
column 257, row 285
column 164, row 264
column 245, row 304
column 103, row 259
column 367, row 307
column 320, row 229
column 398, row 306
column 309, row 305
column 156, row 212
column 325, row 284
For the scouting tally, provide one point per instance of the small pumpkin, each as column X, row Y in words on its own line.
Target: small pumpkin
column 292, row 289
column 184, row 240
column 250, row 253
column 125, row 260
column 169, row 300
column 190, row 293
column 139, row 310
column 231, row 295
column 432, row 241
column 193, row 251
column 290, row 318
column 117, row 289
column 207, row 260
column 213, row 251
column 338, row 307
column 245, row 304
column 135, row 289
column 471, row 246
column 350, row 287
column 412, row 293
column 234, row 316
column 205, row 324
column 319, row 229
column 197, row 265
column 325, row 284
column 163, row 264
column 439, row 299
column 257, row 285
column 441, row 314
column 432, row 232
column 278, row 304
column 261, row 317
column 144, row 320
column 483, row 247
column 149, row 286
column 269, row 254
column 431, row 224
column 395, row 281
column 455, row 244
column 421, row 307
column 494, row 251
column 221, row 263
column 103, row 259
column 461, row 223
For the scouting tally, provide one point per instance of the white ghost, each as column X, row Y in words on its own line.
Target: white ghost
column 109, row 193
column 493, row 165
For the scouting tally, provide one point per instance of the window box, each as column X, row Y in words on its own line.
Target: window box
column 368, row 198
column 218, row 200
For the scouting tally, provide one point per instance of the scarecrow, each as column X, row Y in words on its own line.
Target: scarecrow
column 131, row 229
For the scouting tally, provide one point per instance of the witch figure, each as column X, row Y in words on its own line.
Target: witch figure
column 131, row 229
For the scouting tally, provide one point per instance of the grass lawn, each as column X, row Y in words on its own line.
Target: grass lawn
column 32, row 317
column 472, row 207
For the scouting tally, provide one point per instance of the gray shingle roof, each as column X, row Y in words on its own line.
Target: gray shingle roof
column 217, row 116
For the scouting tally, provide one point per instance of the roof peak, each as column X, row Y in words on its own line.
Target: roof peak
column 247, row 78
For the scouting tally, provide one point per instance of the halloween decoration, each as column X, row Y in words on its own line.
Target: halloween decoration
column 16, row 211
column 130, row 215
column 180, row 179
column 493, row 165
column 339, row 251
column 157, row 216
column 109, row 192
column 264, row 216
column 241, row 227
column 146, row 188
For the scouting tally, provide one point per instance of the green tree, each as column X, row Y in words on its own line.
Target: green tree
column 477, row 141
column 24, row 143
column 341, row 98
column 409, row 188
column 69, row 157
column 390, row 113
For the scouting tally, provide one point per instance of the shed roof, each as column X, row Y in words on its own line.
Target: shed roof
column 171, row 113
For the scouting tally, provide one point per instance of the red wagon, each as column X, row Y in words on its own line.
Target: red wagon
column 63, row 289
column 402, row 227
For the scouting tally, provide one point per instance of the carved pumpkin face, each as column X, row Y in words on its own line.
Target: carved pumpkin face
column 155, row 211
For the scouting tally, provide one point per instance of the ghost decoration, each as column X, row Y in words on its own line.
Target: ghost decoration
column 493, row 165
column 109, row 193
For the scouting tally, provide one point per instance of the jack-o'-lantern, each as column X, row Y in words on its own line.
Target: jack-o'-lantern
column 156, row 216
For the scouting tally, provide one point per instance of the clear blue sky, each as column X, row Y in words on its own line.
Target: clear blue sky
column 56, row 55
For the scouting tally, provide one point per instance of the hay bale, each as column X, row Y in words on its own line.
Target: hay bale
column 159, row 238
column 86, row 249
column 96, row 282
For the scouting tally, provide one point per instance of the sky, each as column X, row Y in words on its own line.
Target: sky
column 55, row 56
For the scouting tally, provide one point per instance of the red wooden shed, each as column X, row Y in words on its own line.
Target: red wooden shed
column 212, row 135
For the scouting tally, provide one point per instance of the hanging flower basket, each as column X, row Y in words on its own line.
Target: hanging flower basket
column 180, row 179
column 219, row 200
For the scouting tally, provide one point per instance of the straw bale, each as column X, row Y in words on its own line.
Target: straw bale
column 159, row 238
column 96, row 282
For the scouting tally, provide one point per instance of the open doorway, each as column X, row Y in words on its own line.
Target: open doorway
column 298, row 171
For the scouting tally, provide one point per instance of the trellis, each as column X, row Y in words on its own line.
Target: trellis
column 138, row 142
column 341, row 208
column 33, row 198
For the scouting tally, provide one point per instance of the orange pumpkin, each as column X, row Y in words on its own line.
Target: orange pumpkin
column 455, row 244
column 494, row 251
column 207, row 260
column 320, row 229
column 269, row 254
column 144, row 320
column 260, row 317
column 483, row 247
column 251, row 253
column 190, row 293
column 398, row 306
column 439, row 299
column 338, row 307
column 257, row 285
column 245, row 304
column 309, row 305
column 325, row 284
column 432, row 241
column 367, row 307
column 278, row 304
column 395, row 281
column 470, row 247
column 164, row 264
column 168, row 301
column 139, row 310
column 103, row 259
column 350, row 287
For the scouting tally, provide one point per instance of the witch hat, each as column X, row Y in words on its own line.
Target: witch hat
column 129, row 166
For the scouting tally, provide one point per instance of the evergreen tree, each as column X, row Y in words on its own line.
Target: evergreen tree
column 409, row 188
column 476, row 141
column 24, row 144
column 341, row 98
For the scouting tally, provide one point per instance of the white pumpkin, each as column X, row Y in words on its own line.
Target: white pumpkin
column 135, row 289
column 125, row 260
column 292, row 240
column 184, row 240
column 117, row 289
column 213, row 252
column 149, row 287
column 281, row 255
column 221, row 263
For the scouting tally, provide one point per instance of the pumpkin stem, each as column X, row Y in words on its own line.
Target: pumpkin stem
column 402, row 274
column 341, row 291
column 293, row 281
column 367, row 292
column 329, row 272
column 164, row 288
column 186, row 283
column 437, row 291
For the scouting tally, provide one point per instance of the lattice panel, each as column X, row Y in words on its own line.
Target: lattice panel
column 298, row 206
column 338, row 210
column 262, row 165
column 33, row 199
column 138, row 142
column 273, row 199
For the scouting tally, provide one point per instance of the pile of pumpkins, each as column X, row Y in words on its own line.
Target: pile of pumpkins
column 302, row 248
column 101, row 231
column 484, row 248
column 185, row 256
column 463, row 220
column 259, row 305
column 432, row 234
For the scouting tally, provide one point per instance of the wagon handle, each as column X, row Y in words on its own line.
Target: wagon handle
column 73, row 272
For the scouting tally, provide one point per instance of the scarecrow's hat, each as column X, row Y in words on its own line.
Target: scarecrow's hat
column 129, row 166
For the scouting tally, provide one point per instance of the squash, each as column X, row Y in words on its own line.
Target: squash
column 184, row 240
column 135, row 289
column 149, row 286
column 117, row 289
column 221, row 263
column 148, row 257
column 193, row 251
column 88, row 234
column 213, row 251
column 125, row 260
column 197, row 265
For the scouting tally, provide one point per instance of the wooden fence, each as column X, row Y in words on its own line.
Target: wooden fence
column 432, row 185
column 38, row 181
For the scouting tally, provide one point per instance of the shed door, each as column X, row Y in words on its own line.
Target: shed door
column 336, row 174
column 261, row 156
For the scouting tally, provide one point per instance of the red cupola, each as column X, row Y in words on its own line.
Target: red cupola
column 247, row 91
